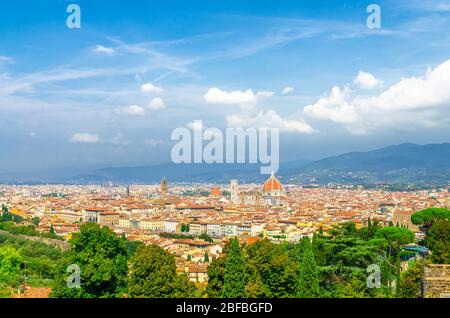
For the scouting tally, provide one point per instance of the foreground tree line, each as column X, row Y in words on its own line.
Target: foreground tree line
column 331, row 264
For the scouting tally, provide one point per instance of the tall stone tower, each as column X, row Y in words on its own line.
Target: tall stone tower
column 164, row 188
column 234, row 191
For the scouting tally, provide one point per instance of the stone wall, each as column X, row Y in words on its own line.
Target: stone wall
column 436, row 281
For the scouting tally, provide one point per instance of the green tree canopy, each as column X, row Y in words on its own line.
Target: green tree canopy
column 272, row 271
column 10, row 260
column 153, row 274
column 393, row 239
column 102, row 258
column 427, row 217
column 438, row 241
column 235, row 272
column 308, row 281
column 216, row 271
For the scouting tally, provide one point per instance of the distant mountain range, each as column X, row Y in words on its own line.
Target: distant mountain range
column 405, row 163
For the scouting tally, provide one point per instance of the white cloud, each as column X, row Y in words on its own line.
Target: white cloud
column 265, row 94
column 366, row 80
column 287, row 90
column 411, row 103
column 247, row 98
column 134, row 110
column 150, row 88
column 84, row 138
column 334, row 108
column 217, row 96
column 104, row 50
column 268, row 119
column 156, row 103
column 431, row 90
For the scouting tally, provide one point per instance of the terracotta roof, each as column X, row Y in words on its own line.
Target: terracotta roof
column 35, row 292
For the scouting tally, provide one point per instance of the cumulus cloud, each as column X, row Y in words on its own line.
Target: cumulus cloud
column 156, row 103
column 412, row 102
column 215, row 95
column 367, row 81
column 250, row 116
column 84, row 138
column 287, row 90
column 134, row 110
column 334, row 107
column 150, row 88
column 268, row 119
column 104, row 50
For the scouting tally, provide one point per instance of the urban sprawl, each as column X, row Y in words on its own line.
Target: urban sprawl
column 191, row 221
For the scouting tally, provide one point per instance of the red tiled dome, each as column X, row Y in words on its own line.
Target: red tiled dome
column 272, row 184
column 215, row 192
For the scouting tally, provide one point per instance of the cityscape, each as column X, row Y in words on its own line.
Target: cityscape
column 194, row 223
column 234, row 156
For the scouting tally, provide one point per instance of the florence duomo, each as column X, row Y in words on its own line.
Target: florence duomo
column 271, row 194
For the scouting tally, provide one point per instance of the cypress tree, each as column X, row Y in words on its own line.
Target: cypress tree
column 308, row 281
column 235, row 277
column 52, row 230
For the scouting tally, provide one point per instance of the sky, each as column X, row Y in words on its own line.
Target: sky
column 111, row 92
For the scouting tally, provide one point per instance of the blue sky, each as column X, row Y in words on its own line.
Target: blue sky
column 111, row 92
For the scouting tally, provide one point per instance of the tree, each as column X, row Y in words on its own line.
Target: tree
column 235, row 273
column 393, row 239
column 216, row 272
column 308, row 282
column 273, row 273
column 35, row 220
column 132, row 247
column 153, row 274
column 185, row 228
column 206, row 258
column 205, row 237
column 425, row 218
column 52, row 230
column 438, row 241
column 10, row 260
column 410, row 280
column 102, row 259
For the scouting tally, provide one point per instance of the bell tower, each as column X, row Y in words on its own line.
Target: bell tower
column 234, row 191
column 164, row 188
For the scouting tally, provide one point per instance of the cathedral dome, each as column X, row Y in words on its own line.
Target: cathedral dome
column 272, row 185
column 215, row 192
